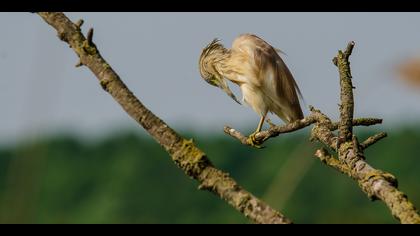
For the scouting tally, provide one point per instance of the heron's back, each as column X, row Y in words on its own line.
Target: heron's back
column 264, row 70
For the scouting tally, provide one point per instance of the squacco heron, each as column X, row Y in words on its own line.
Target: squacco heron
column 266, row 83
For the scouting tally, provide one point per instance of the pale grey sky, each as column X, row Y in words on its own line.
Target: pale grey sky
column 156, row 54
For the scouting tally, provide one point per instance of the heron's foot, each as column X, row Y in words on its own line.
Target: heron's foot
column 252, row 141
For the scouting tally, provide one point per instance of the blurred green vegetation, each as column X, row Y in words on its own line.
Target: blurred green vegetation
column 128, row 178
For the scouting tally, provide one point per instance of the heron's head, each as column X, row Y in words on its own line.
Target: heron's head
column 213, row 55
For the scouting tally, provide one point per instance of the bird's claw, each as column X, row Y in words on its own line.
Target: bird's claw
column 252, row 141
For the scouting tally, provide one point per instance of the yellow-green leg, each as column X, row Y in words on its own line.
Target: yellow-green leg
column 259, row 127
column 251, row 138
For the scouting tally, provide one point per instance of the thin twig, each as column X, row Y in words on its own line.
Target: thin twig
column 359, row 122
column 372, row 140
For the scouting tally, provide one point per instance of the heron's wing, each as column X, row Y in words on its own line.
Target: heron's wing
column 287, row 89
column 272, row 72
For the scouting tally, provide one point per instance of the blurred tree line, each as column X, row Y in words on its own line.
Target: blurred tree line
column 128, row 178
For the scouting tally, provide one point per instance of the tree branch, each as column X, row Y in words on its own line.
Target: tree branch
column 359, row 122
column 331, row 161
column 346, row 95
column 377, row 184
column 273, row 131
column 184, row 153
column 276, row 130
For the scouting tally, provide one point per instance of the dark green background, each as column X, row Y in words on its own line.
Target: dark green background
column 128, row 178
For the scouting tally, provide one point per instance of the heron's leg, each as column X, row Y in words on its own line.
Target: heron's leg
column 260, row 124
column 251, row 137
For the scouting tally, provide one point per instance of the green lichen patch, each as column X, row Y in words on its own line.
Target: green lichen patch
column 191, row 159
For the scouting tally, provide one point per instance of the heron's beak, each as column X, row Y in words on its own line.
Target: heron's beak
column 221, row 83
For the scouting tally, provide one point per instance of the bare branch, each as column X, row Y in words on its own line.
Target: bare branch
column 273, row 131
column 331, row 161
column 236, row 134
column 184, row 153
column 322, row 129
column 372, row 140
column 346, row 94
column 375, row 183
column 359, row 122
column 276, row 130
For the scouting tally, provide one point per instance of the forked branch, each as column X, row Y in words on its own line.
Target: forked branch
column 350, row 158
